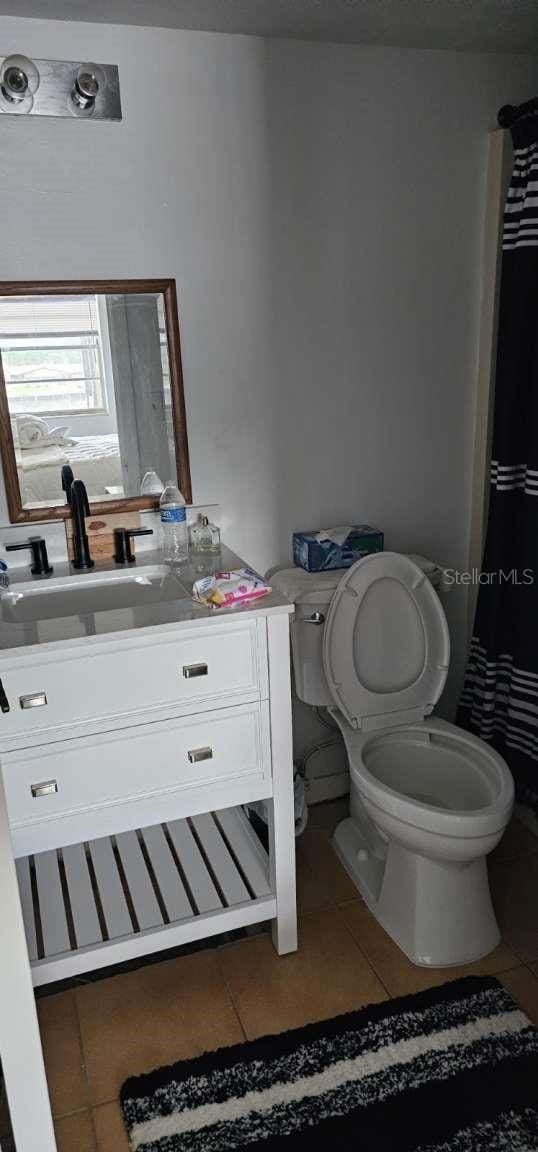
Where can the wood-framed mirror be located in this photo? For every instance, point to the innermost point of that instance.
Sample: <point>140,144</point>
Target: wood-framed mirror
<point>90,375</point>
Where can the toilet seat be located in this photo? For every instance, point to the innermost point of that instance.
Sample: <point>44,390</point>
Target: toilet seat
<point>434,776</point>
<point>386,646</point>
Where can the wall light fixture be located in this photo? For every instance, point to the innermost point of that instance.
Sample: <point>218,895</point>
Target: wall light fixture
<point>59,88</point>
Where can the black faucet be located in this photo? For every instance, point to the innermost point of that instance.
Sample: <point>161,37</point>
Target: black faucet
<point>80,507</point>
<point>122,543</point>
<point>38,548</point>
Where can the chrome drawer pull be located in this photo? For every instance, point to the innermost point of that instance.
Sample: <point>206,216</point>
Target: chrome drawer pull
<point>316,618</point>
<point>191,670</point>
<point>45,788</point>
<point>197,754</point>
<point>33,700</point>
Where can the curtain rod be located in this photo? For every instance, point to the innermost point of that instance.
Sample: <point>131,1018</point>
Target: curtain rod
<point>510,113</point>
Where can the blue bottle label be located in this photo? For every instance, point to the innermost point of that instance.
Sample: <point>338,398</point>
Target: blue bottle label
<point>173,515</point>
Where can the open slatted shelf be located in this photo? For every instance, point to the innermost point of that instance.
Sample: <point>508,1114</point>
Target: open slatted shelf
<point>99,903</point>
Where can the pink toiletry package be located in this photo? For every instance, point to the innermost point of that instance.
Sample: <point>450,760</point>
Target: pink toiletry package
<point>224,589</point>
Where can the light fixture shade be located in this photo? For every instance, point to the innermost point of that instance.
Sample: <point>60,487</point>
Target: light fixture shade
<point>90,82</point>
<point>19,81</point>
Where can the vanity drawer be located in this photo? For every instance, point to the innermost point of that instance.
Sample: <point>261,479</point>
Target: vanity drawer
<point>100,772</point>
<point>217,663</point>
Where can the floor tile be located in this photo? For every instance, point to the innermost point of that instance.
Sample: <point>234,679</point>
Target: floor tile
<point>139,1021</point>
<point>75,1133</point>
<point>327,975</point>
<point>109,1128</point>
<point>514,887</point>
<point>524,988</point>
<point>328,814</point>
<point>60,1037</point>
<point>397,973</point>
<point>312,890</point>
<point>517,841</point>
<point>321,879</point>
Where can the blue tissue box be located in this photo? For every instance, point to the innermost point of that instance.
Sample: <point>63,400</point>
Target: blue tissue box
<point>323,555</point>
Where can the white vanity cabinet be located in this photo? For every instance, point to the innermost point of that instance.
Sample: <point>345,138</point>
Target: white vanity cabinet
<point>126,761</point>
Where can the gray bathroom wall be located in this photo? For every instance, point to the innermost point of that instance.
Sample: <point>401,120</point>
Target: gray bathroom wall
<point>321,210</point>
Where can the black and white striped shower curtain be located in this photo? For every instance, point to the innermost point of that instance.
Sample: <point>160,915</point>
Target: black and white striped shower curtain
<point>500,696</point>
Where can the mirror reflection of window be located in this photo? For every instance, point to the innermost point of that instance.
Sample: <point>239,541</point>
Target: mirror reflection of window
<point>52,354</point>
<point>87,383</point>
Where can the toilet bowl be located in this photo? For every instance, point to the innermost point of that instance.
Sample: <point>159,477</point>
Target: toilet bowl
<point>429,801</point>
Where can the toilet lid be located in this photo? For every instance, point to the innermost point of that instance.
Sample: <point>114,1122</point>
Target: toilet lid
<point>386,647</point>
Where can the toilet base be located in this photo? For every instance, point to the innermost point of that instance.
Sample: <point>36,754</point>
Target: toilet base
<point>438,912</point>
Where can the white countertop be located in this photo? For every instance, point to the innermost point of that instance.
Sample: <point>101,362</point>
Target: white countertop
<point>98,624</point>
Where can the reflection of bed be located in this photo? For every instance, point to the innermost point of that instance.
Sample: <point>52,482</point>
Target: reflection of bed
<point>94,459</point>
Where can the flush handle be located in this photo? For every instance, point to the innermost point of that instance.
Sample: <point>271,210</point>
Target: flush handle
<point>33,700</point>
<point>192,670</point>
<point>316,618</point>
<point>197,754</point>
<point>44,788</point>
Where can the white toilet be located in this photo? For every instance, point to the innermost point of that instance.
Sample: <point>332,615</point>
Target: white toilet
<point>428,800</point>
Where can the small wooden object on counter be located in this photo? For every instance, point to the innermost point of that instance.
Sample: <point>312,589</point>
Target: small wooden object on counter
<point>100,530</point>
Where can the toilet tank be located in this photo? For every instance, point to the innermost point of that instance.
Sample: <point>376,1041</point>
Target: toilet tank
<point>312,592</point>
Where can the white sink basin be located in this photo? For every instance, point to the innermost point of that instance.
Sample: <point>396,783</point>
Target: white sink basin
<point>88,592</point>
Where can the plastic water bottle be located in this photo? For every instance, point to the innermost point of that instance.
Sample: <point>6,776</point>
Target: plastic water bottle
<point>151,484</point>
<point>175,537</point>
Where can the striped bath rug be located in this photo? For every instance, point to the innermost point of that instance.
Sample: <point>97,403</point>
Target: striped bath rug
<point>452,1069</point>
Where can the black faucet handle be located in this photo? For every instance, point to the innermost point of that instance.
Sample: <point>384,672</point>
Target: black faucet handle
<point>67,481</point>
<point>40,561</point>
<point>122,543</point>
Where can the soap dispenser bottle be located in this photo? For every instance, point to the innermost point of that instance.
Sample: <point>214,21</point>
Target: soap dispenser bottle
<point>205,537</point>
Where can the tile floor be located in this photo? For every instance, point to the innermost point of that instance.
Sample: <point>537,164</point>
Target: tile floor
<point>96,1035</point>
